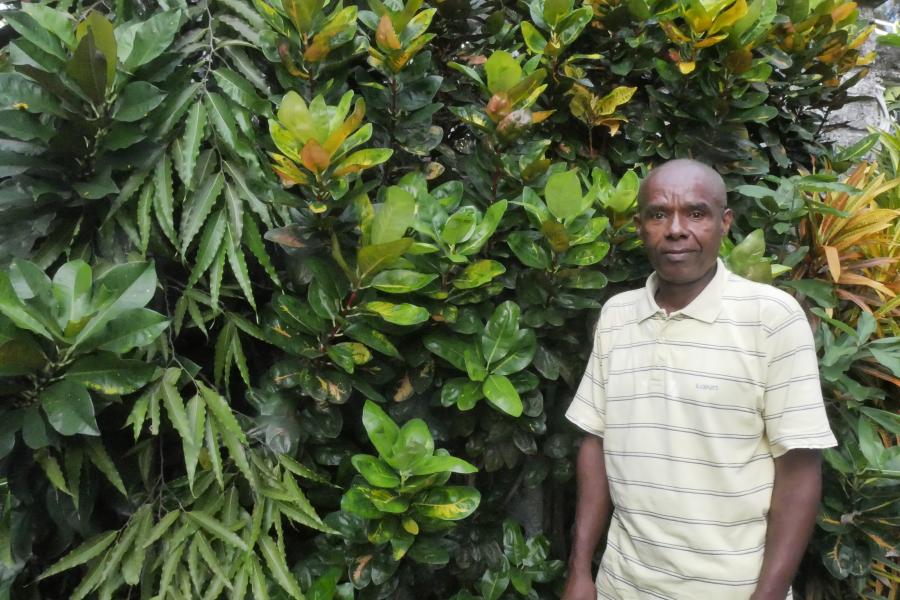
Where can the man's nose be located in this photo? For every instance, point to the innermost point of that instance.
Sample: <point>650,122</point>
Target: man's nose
<point>676,227</point>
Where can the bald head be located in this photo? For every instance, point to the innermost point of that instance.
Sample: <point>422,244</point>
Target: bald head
<point>684,172</point>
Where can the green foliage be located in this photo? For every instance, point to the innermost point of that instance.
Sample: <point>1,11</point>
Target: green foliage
<point>402,493</point>
<point>270,222</point>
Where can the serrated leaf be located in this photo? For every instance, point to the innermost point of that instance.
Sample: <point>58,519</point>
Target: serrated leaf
<point>241,91</point>
<point>215,528</point>
<point>199,207</point>
<point>278,567</point>
<point>196,417</point>
<point>163,200</point>
<point>175,405</point>
<point>239,266</point>
<point>209,557</point>
<point>254,240</point>
<point>161,528</point>
<point>211,241</point>
<point>222,412</point>
<point>52,470</point>
<point>97,454</point>
<point>194,127</point>
<point>84,553</point>
<point>212,450</point>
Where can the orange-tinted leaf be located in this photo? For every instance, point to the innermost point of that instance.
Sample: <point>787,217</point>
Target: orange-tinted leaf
<point>729,17</point>
<point>340,134</point>
<point>710,41</point>
<point>385,36</point>
<point>842,12</point>
<point>287,171</point>
<point>314,157</point>
<point>834,262</point>
<point>673,33</point>
<point>852,279</point>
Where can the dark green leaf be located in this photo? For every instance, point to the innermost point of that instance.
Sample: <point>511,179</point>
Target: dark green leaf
<point>108,374</point>
<point>69,408</point>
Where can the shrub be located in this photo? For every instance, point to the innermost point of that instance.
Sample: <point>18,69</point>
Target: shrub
<point>392,225</point>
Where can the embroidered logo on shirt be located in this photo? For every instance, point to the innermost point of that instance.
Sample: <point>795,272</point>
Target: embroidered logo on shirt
<point>709,387</point>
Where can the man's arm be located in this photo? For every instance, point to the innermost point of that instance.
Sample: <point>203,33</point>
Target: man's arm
<point>593,509</point>
<point>792,516</point>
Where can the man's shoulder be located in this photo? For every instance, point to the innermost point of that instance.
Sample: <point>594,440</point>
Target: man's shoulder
<point>623,302</point>
<point>768,302</point>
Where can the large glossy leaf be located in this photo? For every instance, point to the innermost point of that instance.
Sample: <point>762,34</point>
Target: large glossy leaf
<point>523,351</point>
<point>377,257</point>
<point>381,428</point>
<point>478,274</point>
<point>393,217</point>
<point>401,281</point>
<point>529,249</point>
<point>122,288</point>
<point>503,71</point>
<point>376,471</point>
<point>372,338</point>
<point>108,374</point>
<point>449,503</point>
<point>500,392</point>
<point>414,442</point>
<point>20,355</point>
<point>19,92</point>
<point>462,392</point>
<point>69,408</point>
<point>460,226</point>
<point>133,329</point>
<point>625,194</point>
<point>586,254</point>
<point>16,311</point>
<point>440,463</point>
<point>484,230</point>
<point>87,68</point>
<point>399,314</point>
<point>137,100</point>
<point>72,291</point>
<point>140,42</point>
<point>563,194</point>
<point>450,348</point>
<point>500,334</point>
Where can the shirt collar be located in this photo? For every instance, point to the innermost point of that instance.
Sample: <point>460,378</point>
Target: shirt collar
<point>705,307</point>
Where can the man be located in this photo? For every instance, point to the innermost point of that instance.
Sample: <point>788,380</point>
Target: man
<point>704,416</point>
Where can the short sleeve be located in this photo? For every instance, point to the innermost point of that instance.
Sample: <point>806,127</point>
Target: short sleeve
<point>588,407</point>
<point>793,410</point>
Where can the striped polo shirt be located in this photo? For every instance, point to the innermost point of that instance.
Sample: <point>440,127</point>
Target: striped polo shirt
<point>693,406</point>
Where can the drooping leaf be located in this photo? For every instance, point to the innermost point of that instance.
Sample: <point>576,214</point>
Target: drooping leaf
<point>69,408</point>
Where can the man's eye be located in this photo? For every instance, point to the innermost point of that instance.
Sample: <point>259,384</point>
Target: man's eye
<point>696,214</point>
<point>659,215</point>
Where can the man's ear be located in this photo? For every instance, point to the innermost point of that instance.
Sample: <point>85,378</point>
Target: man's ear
<point>637,222</point>
<point>727,218</point>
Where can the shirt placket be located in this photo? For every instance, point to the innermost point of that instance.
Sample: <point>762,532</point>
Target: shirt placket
<point>660,352</point>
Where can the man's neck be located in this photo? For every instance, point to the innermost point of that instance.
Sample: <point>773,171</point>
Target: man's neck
<point>675,296</point>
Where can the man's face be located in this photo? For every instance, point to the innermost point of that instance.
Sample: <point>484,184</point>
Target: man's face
<point>681,222</point>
